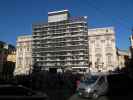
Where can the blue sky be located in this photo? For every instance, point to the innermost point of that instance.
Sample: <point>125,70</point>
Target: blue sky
<point>17,16</point>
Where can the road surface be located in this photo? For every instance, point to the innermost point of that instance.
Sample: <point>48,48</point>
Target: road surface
<point>113,97</point>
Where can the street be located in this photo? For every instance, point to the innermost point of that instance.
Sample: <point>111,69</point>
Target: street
<point>121,91</point>
<point>128,97</point>
<point>67,95</point>
<point>76,97</point>
<point>63,86</point>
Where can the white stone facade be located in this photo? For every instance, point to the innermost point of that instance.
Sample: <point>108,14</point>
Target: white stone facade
<point>23,55</point>
<point>131,47</point>
<point>131,40</point>
<point>102,49</point>
<point>122,57</point>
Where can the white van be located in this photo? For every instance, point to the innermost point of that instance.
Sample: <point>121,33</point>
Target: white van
<point>93,86</point>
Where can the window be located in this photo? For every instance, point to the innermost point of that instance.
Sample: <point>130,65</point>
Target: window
<point>97,44</point>
<point>19,61</point>
<point>97,50</point>
<point>102,41</point>
<point>98,58</point>
<point>28,49</point>
<point>90,58</point>
<point>90,50</point>
<point>108,43</point>
<point>92,41</point>
<point>20,49</point>
<point>27,61</point>
<point>109,58</point>
<point>90,80</point>
<point>101,81</point>
<point>81,63</point>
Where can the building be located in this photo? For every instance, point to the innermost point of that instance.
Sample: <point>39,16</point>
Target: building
<point>12,57</point>
<point>130,62</point>
<point>23,55</point>
<point>62,42</point>
<point>131,46</point>
<point>102,49</point>
<point>6,66</point>
<point>2,55</point>
<point>5,50</point>
<point>131,40</point>
<point>122,58</point>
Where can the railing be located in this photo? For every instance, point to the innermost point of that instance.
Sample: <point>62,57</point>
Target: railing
<point>56,60</point>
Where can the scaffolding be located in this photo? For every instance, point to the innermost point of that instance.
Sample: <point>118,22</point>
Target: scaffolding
<point>61,44</point>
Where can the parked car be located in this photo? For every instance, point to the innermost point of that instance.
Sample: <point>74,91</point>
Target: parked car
<point>93,86</point>
<point>19,92</point>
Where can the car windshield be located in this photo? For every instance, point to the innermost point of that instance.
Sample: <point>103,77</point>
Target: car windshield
<point>90,80</point>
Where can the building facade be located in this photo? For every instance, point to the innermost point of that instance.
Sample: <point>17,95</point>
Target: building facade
<point>130,63</point>
<point>12,57</point>
<point>102,49</point>
<point>5,50</point>
<point>6,66</point>
<point>122,58</point>
<point>2,55</point>
<point>23,55</point>
<point>62,42</point>
<point>131,46</point>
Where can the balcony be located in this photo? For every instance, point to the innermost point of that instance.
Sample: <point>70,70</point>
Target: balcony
<point>37,30</point>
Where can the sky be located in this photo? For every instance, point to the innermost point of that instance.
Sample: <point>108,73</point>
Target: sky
<point>17,16</point>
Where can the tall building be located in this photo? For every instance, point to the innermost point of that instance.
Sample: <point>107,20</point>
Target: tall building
<point>62,42</point>
<point>102,49</point>
<point>23,55</point>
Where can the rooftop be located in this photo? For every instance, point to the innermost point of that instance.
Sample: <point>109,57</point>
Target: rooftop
<point>56,12</point>
<point>101,31</point>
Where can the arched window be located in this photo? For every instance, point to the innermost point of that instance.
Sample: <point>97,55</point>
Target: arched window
<point>98,58</point>
<point>109,58</point>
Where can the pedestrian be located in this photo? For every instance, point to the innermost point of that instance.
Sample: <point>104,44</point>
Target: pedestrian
<point>77,83</point>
